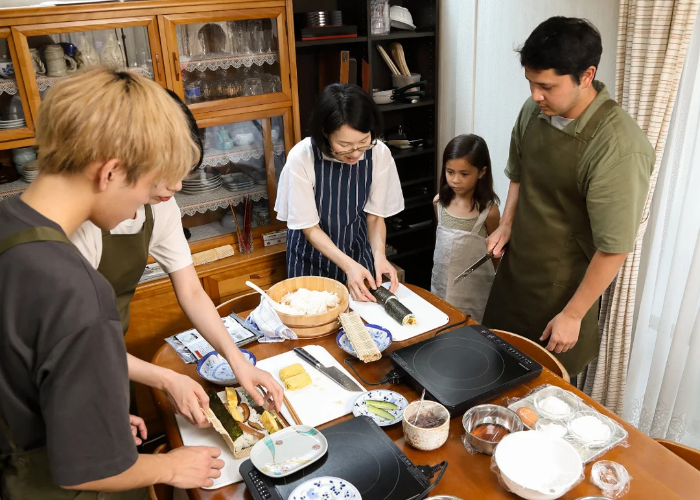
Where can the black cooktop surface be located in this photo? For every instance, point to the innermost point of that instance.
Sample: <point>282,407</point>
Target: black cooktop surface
<point>464,367</point>
<point>360,452</point>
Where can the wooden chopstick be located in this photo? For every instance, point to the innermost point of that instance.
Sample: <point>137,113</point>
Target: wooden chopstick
<point>235,219</point>
<point>266,407</point>
<point>295,417</point>
<point>388,60</point>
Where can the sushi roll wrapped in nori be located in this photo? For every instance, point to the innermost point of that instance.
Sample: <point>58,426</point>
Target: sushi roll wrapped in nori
<point>395,309</point>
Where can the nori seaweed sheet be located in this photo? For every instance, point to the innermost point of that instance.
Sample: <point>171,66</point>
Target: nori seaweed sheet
<point>393,307</point>
<point>234,430</point>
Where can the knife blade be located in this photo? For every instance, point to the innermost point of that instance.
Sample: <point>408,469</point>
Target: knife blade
<point>331,372</point>
<point>472,268</point>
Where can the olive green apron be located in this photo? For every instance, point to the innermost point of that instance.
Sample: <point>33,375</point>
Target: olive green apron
<point>551,243</point>
<point>124,258</point>
<point>26,474</point>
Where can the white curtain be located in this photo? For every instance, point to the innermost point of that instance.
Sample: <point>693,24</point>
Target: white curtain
<point>663,394</point>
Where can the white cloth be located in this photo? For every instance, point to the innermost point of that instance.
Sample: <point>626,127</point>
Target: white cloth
<point>265,319</point>
<point>296,203</point>
<point>168,245</point>
<point>664,368</point>
<point>560,122</point>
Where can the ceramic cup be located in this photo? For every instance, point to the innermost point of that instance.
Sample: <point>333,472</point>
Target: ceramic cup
<point>426,439</point>
<point>57,62</point>
<point>7,70</point>
<point>69,49</point>
<point>37,63</point>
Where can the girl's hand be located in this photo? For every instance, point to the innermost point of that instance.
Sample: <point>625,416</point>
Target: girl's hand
<point>138,427</point>
<point>249,377</point>
<point>383,266</point>
<point>357,274</point>
<point>187,398</point>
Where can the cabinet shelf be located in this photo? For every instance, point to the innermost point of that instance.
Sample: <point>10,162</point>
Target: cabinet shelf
<point>191,204</point>
<point>399,154</point>
<point>409,230</point>
<point>228,61</point>
<point>420,180</point>
<point>402,35</point>
<point>216,158</point>
<point>329,41</point>
<point>8,87</point>
<point>45,82</point>
<point>409,253</point>
<point>396,106</point>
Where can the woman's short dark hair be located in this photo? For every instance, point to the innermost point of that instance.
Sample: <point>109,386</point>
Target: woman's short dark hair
<point>567,45</point>
<point>192,122</point>
<point>472,148</point>
<point>342,104</point>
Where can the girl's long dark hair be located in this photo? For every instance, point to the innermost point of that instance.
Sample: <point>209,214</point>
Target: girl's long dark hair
<point>472,148</point>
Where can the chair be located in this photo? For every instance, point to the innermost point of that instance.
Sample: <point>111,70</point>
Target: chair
<point>160,491</point>
<point>690,455</point>
<point>536,352</point>
<point>240,304</point>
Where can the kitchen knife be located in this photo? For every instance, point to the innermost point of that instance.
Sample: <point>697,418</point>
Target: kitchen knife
<point>471,268</point>
<point>329,371</point>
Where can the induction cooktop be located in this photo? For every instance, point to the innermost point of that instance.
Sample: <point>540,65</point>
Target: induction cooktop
<point>465,367</point>
<point>360,452</point>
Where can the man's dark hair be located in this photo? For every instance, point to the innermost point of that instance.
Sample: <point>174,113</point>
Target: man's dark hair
<point>342,104</point>
<point>567,45</point>
<point>192,122</point>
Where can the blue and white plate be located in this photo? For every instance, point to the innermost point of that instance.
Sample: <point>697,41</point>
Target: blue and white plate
<point>380,335</point>
<point>288,450</point>
<point>214,368</point>
<point>325,488</point>
<point>360,406</point>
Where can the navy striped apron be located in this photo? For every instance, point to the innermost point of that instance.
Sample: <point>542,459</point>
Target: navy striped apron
<point>341,192</point>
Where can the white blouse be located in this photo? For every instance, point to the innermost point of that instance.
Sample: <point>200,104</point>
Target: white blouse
<point>296,201</point>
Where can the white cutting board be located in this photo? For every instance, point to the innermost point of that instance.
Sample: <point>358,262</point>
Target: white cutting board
<point>428,316</point>
<point>194,436</point>
<point>323,400</point>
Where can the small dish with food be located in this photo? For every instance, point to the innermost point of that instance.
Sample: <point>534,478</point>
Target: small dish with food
<point>382,406</point>
<point>555,403</point>
<point>590,428</point>
<point>426,425</point>
<point>486,425</point>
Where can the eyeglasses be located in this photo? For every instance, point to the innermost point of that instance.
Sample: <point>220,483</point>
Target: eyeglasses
<point>359,150</point>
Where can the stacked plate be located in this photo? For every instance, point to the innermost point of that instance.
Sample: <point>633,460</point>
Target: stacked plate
<point>9,124</point>
<point>202,180</point>
<point>30,171</point>
<point>336,18</point>
<point>261,214</point>
<point>238,181</point>
<point>318,18</point>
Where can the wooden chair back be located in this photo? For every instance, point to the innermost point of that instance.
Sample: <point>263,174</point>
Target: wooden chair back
<point>690,455</point>
<point>240,304</point>
<point>536,352</point>
<point>160,491</point>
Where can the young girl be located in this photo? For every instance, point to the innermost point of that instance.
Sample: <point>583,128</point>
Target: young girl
<point>467,212</point>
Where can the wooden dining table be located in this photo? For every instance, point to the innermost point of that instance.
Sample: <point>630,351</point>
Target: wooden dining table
<point>656,472</point>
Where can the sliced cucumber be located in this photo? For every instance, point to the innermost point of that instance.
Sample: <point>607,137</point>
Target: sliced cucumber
<point>385,405</point>
<point>380,413</point>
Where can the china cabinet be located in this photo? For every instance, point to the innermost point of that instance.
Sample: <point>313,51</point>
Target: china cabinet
<point>232,62</point>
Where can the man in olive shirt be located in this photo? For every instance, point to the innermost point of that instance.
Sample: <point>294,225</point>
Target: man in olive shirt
<point>65,428</point>
<point>579,168</point>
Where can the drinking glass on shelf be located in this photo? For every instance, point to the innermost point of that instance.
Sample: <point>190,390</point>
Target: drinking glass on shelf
<point>268,41</point>
<point>252,86</point>
<point>208,90</point>
<point>271,83</point>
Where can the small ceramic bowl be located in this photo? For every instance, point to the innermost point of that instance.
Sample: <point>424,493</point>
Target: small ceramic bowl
<point>215,369</point>
<point>426,439</point>
<point>583,439</point>
<point>382,97</point>
<point>381,337</point>
<point>488,414</point>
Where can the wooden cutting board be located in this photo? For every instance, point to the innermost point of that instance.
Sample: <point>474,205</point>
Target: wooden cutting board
<point>323,400</point>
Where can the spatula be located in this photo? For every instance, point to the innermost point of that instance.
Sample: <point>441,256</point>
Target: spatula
<point>275,305</point>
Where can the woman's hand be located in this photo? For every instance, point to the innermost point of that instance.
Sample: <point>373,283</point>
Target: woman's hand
<point>249,377</point>
<point>357,274</point>
<point>187,398</point>
<point>383,266</point>
<point>138,426</point>
<point>498,239</point>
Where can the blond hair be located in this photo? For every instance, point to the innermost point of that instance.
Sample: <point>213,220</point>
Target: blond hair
<point>102,114</point>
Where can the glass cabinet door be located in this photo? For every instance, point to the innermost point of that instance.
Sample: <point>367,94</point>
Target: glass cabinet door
<point>15,117</point>
<point>230,59</point>
<point>242,161</point>
<point>50,55</point>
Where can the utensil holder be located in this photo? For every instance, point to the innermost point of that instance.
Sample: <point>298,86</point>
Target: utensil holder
<point>398,81</point>
<point>245,243</point>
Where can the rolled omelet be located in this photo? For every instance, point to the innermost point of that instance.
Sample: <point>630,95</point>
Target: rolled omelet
<point>291,371</point>
<point>297,381</point>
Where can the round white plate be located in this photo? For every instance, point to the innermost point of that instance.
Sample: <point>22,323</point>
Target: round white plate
<point>360,408</point>
<point>325,488</point>
<point>288,450</point>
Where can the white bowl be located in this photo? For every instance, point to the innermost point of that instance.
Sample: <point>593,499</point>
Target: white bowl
<point>214,368</point>
<point>537,466</point>
<point>382,97</point>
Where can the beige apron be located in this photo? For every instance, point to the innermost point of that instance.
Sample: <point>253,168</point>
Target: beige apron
<point>551,243</point>
<point>26,474</point>
<point>455,251</point>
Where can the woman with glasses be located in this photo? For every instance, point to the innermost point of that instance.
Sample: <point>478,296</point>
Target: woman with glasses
<point>335,191</point>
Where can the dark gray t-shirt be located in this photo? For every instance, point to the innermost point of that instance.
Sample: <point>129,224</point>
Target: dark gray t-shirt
<point>63,368</point>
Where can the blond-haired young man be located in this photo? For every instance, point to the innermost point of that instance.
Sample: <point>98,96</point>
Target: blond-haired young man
<point>105,138</point>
